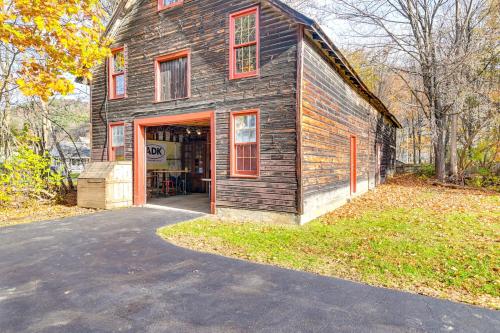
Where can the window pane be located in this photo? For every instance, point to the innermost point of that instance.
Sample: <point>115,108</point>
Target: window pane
<point>118,62</point>
<point>246,158</point>
<point>240,163</point>
<point>245,135</point>
<point>245,128</point>
<point>173,79</point>
<point>239,151</point>
<point>253,163</point>
<point>246,59</point>
<point>119,153</point>
<point>244,29</point>
<point>118,136</point>
<point>169,2</point>
<point>119,85</point>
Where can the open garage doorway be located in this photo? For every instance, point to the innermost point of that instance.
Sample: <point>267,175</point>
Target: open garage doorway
<point>174,162</point>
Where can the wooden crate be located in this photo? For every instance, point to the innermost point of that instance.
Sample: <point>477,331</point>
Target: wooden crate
<point>106,185</point>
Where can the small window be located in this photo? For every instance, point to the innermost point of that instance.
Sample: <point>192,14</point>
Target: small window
<point>117,142</point>
<point>117,85</point>
<point>166,4</point>
<point>244,44</point>
<point>172,77</point>
<point>245,143</point>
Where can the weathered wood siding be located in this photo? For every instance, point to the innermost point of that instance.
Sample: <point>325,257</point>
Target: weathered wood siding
<point>331,112</point>
<point>203,27</point>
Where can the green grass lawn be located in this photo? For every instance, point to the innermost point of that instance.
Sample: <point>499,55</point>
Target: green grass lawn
<point>406,235</point>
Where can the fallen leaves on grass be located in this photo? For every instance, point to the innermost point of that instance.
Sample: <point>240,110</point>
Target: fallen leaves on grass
<point>409,192</point>
<point>36,212</point>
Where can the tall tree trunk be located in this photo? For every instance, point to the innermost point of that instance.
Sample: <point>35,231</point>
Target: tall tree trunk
<point>46,126</point>
<point>453,146</point>
<point>6,134</point>
<point>431,153</point>
<point>440,150</point>
<point>454,116</point>
<point>414,141</point>
<point>419,140</point>
<point>64,161</point>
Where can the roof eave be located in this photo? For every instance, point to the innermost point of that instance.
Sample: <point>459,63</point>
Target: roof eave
<point>114,17</point>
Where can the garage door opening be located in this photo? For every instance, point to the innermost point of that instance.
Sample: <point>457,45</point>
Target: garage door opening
<point>175,164</point>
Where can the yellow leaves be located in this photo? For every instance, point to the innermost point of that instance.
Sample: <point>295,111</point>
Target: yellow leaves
<point>55,38</point>
<point>39,22</point>
<point>363,67</point>
<point>43,81</point>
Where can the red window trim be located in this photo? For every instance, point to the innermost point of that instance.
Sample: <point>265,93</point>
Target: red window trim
<point>232,47</point>
<point>161,7</point>
<point>168,57</point>
<point>111,154</point>
<point>111,74</point>
<point>232,150</point>
<point>353,162</point>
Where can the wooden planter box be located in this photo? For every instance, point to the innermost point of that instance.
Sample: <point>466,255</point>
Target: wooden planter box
<point>106,185</point>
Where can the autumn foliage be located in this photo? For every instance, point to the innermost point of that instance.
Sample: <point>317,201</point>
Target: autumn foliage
<point>56,39</point>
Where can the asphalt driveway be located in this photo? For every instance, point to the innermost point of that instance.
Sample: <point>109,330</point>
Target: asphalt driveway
<point>109,272</point>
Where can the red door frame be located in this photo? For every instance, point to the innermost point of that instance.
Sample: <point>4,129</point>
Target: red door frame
<point>140,156</point>
<point>354,156</point>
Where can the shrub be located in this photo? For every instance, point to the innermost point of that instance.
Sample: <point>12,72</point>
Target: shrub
<point>426,171</point>
<point>489,181</point>
<point>26,175</point>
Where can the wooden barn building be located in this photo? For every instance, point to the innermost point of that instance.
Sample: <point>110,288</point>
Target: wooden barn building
<point>241,108</point>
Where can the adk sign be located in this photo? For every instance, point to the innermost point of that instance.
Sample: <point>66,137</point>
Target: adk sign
<point>163,155</point>
<point>156,153</point>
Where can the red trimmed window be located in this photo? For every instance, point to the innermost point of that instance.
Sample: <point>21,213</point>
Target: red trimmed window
<point>244,43</point>
<point>117,79</point>
<point>245,143</point>
<point>117,142</point>
<point>173,76</point>
<point>166,4</point>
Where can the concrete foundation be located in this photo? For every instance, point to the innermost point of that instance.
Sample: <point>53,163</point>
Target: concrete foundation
<point>243,215</point>
<point>319,204</point>
<point>315,205</point>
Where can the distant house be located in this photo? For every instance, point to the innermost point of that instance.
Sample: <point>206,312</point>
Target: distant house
<point>77,155</point>
<point>246,99</point>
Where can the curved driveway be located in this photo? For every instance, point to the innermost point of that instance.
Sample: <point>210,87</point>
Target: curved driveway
<point>109,272</point>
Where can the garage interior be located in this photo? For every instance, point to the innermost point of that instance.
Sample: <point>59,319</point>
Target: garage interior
<point>178,165</point>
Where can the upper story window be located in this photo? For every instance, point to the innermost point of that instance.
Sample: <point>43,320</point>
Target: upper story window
<point>117,79</point>
<point>173,76</point>
<point>244,43</point>
<point>245,156</point>
<point>166,4</point>
<point>117,142</point>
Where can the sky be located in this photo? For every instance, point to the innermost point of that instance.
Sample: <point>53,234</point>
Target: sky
<point>338,30</point>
